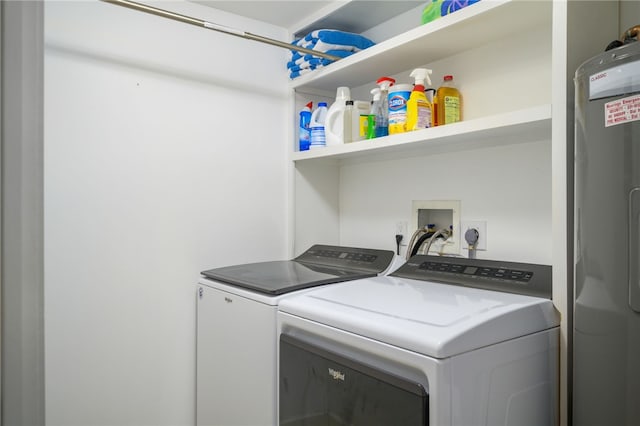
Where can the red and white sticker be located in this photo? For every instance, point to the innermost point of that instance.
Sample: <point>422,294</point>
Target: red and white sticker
<point>622,111</point>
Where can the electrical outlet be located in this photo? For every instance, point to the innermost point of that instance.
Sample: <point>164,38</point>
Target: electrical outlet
<point>401,229</point>
<point>481,227</point>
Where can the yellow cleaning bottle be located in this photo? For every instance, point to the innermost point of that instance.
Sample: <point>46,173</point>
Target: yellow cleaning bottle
<point>419,109</point>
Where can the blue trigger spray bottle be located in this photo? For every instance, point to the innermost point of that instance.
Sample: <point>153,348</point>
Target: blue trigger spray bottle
<point>382,117</point>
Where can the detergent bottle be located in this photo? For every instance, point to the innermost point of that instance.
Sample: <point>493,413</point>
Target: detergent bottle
<point>382,117</point>
<point>352,126</point>
<point>334,125</point>
<point>419,109</point>
<point>449,102</point>
<point>318,138</point>
<point>304,130</point>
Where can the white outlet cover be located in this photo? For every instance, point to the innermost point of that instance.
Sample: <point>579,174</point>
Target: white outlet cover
<point>402,229</point>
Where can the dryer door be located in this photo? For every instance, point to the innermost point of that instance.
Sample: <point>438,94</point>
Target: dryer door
<point>319,387</point>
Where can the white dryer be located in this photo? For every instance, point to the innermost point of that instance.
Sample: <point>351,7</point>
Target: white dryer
<point>236,382</point>
<point>441,341</point>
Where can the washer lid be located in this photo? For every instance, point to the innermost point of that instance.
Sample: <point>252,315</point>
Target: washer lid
<point>282,276</point>
<point>433,319</point>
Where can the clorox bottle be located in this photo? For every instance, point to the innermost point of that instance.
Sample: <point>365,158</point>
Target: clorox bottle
<point>317,137</point>
<point>419,109</point>
<point>398,99</point>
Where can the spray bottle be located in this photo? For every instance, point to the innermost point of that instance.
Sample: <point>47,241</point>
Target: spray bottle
<point>382,118</point>
<point>419,109</point>
<point>304,130</point>
<point>371,118</point>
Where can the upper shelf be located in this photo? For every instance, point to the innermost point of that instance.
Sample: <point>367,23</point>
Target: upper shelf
<point>466,29</point>
<point>522,126</point>
<point>348,15</point>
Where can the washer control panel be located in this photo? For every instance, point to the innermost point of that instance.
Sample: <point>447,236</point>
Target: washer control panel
<point>349,257</point>
<point>344,255</point>
<point>511,277</point>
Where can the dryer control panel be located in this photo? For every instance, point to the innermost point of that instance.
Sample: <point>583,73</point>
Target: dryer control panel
<point>511,277</point>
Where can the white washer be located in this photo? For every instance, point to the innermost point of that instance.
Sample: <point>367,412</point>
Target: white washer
<point>236,382</point>
<point>441,341</point>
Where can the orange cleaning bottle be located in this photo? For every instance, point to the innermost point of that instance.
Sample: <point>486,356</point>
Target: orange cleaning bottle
<point>448,103</point>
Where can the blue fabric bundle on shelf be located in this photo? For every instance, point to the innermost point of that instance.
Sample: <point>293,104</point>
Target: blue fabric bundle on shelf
<point>333,42</point>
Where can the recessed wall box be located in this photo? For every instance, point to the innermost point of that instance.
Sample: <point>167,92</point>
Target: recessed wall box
<point>441,213</point>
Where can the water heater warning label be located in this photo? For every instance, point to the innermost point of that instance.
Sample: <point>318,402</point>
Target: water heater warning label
<point>622,111</point>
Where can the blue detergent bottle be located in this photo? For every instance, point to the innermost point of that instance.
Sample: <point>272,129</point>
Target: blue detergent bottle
<point>304,130</point>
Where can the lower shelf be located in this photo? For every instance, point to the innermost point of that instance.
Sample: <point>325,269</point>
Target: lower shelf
<point>522,126</point>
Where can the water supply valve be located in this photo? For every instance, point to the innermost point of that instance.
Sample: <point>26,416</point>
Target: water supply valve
<point>471,236</point>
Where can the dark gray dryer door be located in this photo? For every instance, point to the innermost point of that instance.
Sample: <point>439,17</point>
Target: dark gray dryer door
<point>320,387</point>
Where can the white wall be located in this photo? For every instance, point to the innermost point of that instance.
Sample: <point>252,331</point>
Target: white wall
<point>510,192</point>
<point>629,15</point>
<point>165,154</point>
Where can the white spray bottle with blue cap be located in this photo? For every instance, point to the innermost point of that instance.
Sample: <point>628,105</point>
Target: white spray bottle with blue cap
<point>373,113</point>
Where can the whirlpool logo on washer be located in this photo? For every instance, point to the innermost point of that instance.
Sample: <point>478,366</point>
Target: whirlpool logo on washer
<point>336,375</point>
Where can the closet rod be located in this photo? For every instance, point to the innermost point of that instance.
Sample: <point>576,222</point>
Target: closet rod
<point>216,27</point>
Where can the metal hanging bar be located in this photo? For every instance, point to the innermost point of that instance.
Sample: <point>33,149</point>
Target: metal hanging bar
<point>215,27</point>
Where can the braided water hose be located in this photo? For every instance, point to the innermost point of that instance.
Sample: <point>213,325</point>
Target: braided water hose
<point>631,34</point>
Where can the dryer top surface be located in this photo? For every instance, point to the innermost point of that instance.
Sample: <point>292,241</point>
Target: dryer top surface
<point>434,319</point>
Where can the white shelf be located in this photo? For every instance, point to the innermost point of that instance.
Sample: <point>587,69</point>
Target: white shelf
<point>347,15</point>
<point>481,23</point>
<point>522,126</point>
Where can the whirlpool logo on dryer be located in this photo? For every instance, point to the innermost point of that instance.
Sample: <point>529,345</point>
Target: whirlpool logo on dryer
<point>336,375</point>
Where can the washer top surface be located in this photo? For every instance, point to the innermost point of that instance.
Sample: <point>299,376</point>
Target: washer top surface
<point>282,276</point>
<point>317,266</point>
<point>434,319</point>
